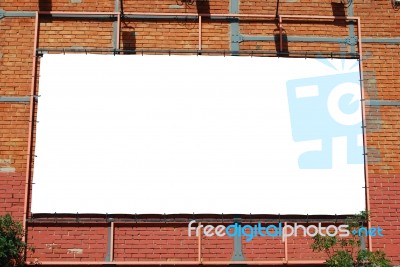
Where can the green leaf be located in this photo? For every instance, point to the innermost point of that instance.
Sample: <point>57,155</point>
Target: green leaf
<point>340,259</point>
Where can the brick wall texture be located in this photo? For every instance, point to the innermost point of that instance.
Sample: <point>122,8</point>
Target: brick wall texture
<point>81,242</point>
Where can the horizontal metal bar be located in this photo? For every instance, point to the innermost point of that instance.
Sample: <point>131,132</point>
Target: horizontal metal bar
<point>381,40</point>
<point>166,15</point>
<point>382,103</point>
<point>79,16</point>
<point>368,102</point>
<point>319,39</point>
<point>172,17</point>
<point>16,14</point>
<point>144,17</point>
<point>59,222</point>
<point>83,13</point>
<point>47,218</point>
<point>294,38</point>
<point>6,99</point>
<point>310,54</point>
<point>191,263</point>
<point>14,99</point>
<point>104,15</point>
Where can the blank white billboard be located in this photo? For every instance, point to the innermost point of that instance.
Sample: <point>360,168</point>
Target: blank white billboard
<point>198,134</point>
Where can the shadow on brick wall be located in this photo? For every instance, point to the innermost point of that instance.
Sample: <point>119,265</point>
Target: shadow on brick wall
<point>285,43</point>
<point>45,5</point>
<point>128,35</point>
<point>129,41</point>
<point>339,10</point>
<point>203,6</point>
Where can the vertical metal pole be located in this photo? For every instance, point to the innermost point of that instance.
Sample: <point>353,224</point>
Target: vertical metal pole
<point>116,26</point>
<point>362,239</point>
<point>200,258</point>
<point>237,244</point>
<point>364,117</point>
<point>110,242</point>
<point>350,13</point>
<point>200,33</point>
<point>31,124</point>
<point>234,27</point>
<point>280,34</point>
<point>118,30</point>
<point>286,246</point>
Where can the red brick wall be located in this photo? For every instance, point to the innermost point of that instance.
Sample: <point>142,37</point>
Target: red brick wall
<point>82,242</point>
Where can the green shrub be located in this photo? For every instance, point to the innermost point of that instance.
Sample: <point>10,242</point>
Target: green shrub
<point>347,251</point>
<point>12,247</point>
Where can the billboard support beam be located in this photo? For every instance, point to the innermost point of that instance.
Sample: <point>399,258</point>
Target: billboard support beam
<point>176,263</point>
<point>364,130</point>
<point>17,99</point>
<point>110,241</point>
<point>237,244</point>
<point>29,155</point>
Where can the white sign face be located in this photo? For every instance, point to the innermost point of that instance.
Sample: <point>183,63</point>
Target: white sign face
<point>198,134</point>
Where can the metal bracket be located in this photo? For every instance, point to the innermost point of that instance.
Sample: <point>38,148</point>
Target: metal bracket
<point>352,40</point>
<point>20,99</point>
<point>237,38</point>
<point>16,14</point>
<point>234,27</point>
<point>362,239</point>
<point>378,103</point>
<point>109,240</point>
<point>237,245</point>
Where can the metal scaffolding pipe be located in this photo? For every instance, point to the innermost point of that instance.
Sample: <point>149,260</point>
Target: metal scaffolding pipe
<point>223,15</point>
<point>226,221</point>
<point>316,54</point>
<point>271,38</point>
<point>200,257</point>
<point>116,25</point>
<point>280,34</point>
<point>286,258</point>
<point>78,13</point>
<point>14,99</point>
<point>191,263</point>
<point>364,119</point>
<point>118,37</point>
<point>200,33</point>
<point>31,124</point>
<point>320,17</point>
<point>112,241</point>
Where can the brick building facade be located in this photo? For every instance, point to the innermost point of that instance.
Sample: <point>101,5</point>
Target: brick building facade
<point>131,26</point>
